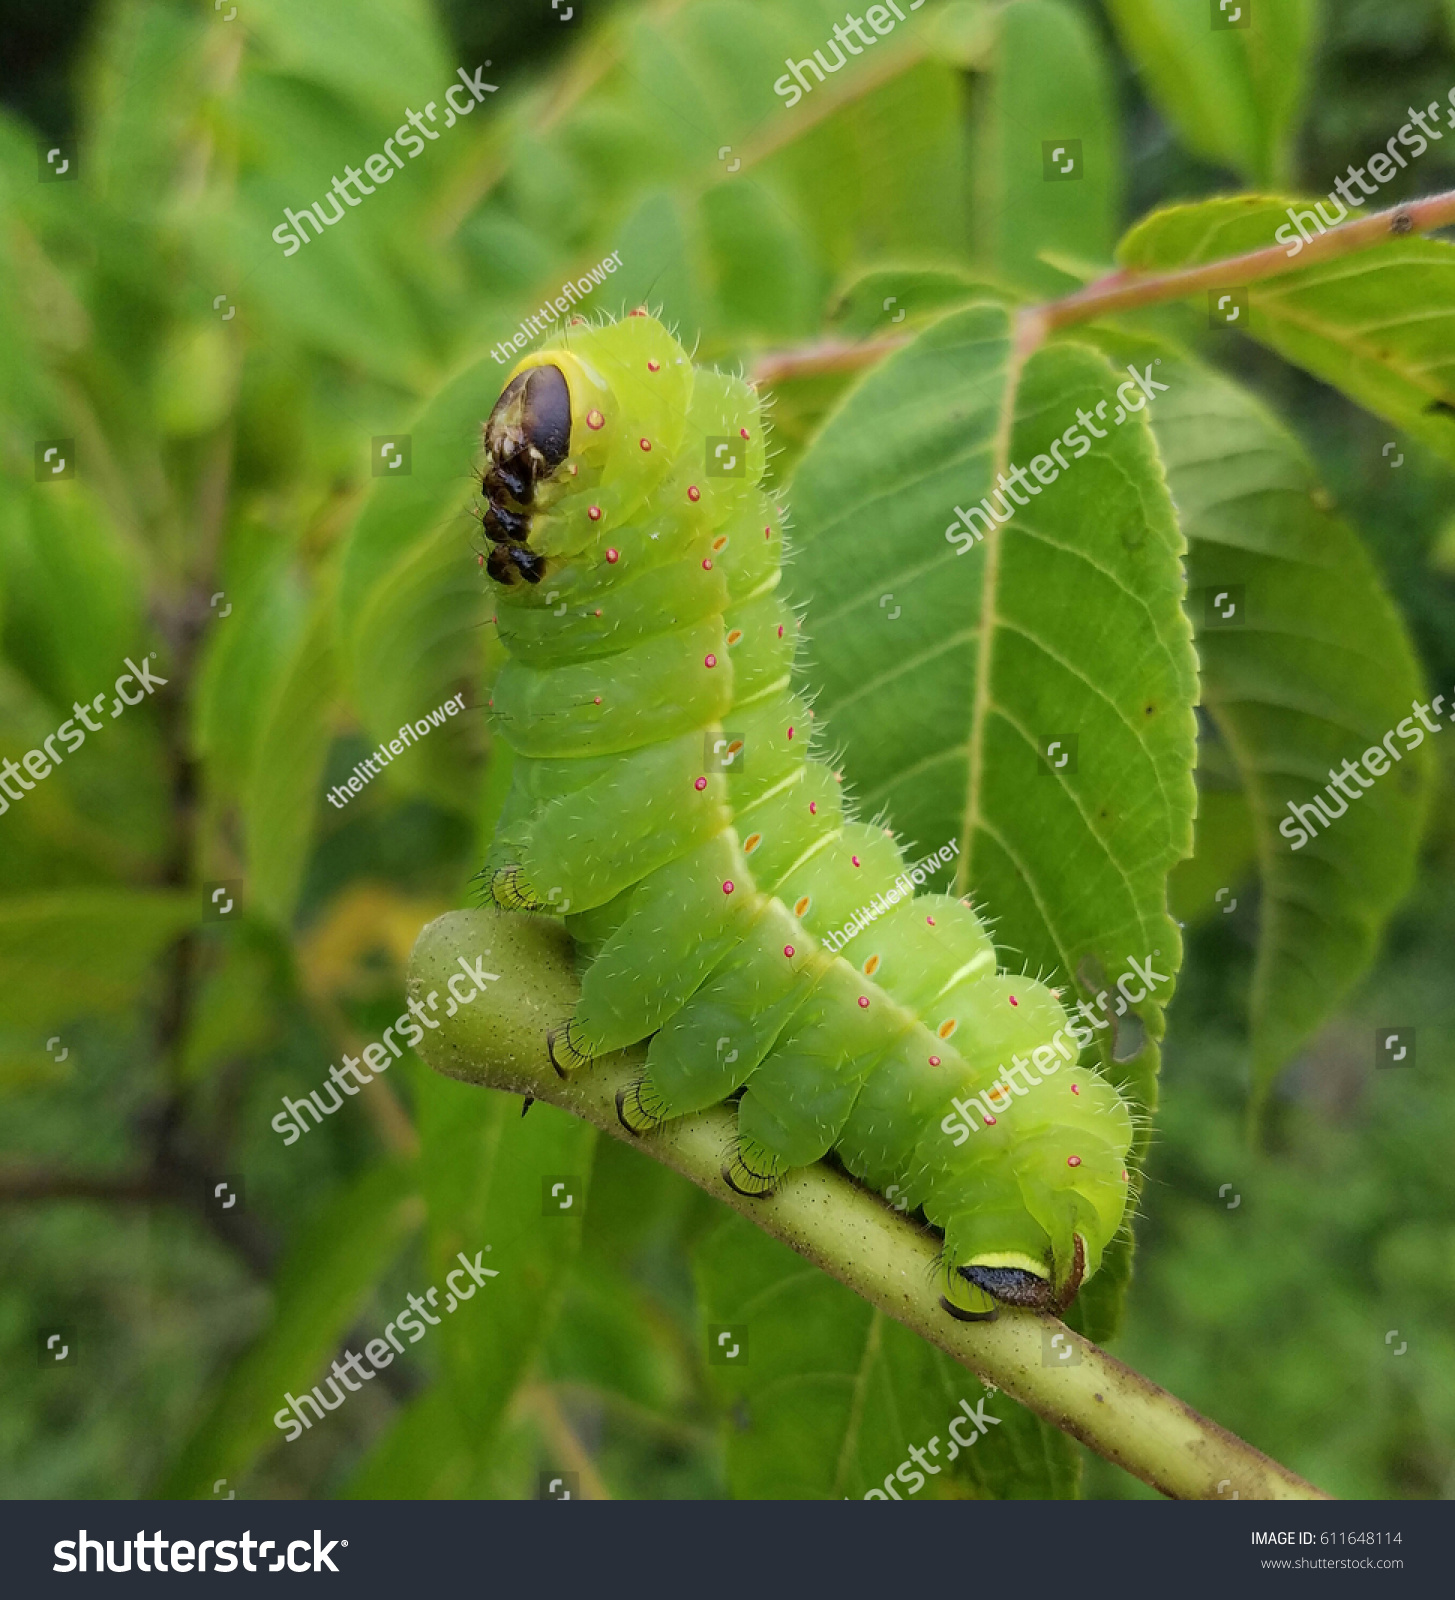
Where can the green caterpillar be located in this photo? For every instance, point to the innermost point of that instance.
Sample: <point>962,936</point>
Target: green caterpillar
<point>637,576</point>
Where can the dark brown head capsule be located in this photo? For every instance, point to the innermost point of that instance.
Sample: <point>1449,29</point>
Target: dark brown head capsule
<point>527,437</point>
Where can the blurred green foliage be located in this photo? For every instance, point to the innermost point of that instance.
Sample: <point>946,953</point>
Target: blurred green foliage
<point>221,400</point>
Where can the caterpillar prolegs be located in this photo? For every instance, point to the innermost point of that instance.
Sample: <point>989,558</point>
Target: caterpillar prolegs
<point>637,564</point>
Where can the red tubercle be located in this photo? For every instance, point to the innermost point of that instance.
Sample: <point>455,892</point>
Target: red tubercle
<point>594,512</point>
<point>790,733</point>
<point>595,420</point>
<point>855,860</point>
<point>864,1001</point>
<point>931,921</point>
<point>1124,1174</point>
<point>709,660</point>
<point>699,783</point>
<point>989,1122</point>
<point>640,311</point>
<point>694,493</point>
<point>646,444</point>
<point>767,533</point>
<point>780,635</point>
<point>597,700</point>
<point>1073,1161</point>
<point>598,612</point>
<point>480,560</point>
<point>654,366</point>
<point>1014,1001</point>
<point>706,564</point>
<point>1075,1088</point>
<point>727,887</point>
<point>613,556</point>
<point>934,1061</point>
<point>813,808</point>
<point>742,433</point>
<point>788,951</point>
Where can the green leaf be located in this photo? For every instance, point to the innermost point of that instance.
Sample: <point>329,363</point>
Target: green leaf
<point>1224,861</point>
<point>1234,94</point>
<point>412,609</point>
<point>285,787</point>
<point>425,1454</point>
<point>383,53</point>
<point>246,655</point>
<point>1068,622</point>
<point>1320,671</point>
<point>487,1172</point>
<point>145,79</point>
<point>889,301</point>
<point>83,951</point>
<point>73,591</point>
<point>1051,87</point>
<point>488,1175</point>
<point>827,1395</point>
<point>1065,624</point>
<point>332,1266</point>
<point>1378,325</point>
<point>417,642</point>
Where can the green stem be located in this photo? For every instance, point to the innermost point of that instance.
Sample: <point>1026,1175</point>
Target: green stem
<point>498,1042</point>
<point>1129,290</point>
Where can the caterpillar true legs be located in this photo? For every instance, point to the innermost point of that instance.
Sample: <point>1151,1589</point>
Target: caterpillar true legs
<point>665,801</point>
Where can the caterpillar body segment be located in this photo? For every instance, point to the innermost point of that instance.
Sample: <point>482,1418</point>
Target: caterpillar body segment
<point>665,801</point>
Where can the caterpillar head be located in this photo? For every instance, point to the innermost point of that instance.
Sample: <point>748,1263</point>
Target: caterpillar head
<point>583,432</point>
<point>527,437</point>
